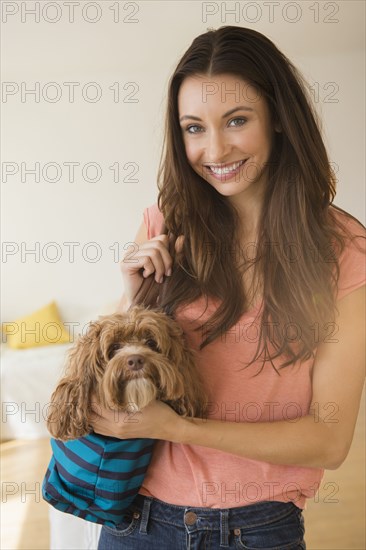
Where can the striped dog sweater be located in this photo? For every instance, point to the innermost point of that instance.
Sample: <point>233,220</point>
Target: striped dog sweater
<point>96,477</point>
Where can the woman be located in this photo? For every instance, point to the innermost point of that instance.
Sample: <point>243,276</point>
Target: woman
<point>269,287</point>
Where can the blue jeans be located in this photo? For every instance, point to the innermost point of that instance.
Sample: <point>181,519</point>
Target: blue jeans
<point>151,524</point>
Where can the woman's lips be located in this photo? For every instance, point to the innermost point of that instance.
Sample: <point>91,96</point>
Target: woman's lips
<point>226,175</point>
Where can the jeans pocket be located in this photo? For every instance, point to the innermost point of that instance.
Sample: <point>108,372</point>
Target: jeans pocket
<point>126,527</point>
<point>286,533</point>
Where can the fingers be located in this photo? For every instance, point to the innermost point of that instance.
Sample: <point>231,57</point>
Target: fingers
<point>100,414</point>
<point>152,256</point>
<point>114,422</point>
<point>156,258</point>
<point>102,420</point>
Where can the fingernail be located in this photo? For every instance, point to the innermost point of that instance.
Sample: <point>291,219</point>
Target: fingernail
<point>169,272</point>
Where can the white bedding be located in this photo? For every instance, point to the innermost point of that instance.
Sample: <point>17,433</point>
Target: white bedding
<point>28,378</point>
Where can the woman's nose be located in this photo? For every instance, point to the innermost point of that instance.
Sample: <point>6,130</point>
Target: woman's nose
<point>216,147</point>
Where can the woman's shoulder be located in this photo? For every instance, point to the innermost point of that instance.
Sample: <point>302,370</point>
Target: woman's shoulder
<point>154,220</point>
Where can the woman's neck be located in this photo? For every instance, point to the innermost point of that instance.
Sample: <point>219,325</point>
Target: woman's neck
<point>249,209</point>
<point>248,227</point>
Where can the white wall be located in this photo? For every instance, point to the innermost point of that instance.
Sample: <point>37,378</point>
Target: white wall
<point>143,52</point>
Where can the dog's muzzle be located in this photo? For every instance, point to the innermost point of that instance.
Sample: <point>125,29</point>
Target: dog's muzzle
<point>135,362</point>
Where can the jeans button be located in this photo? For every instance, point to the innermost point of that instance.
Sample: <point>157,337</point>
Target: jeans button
<point>237,532</point>
<point>190,518</point>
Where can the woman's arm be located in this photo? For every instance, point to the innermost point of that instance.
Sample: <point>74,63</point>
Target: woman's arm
<point>321,439</point>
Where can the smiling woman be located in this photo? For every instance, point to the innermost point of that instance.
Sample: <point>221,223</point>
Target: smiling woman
<point>279,339</point>
<point>235,150</point>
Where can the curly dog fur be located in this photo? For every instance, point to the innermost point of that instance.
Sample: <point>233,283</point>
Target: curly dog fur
<point>125,361</point>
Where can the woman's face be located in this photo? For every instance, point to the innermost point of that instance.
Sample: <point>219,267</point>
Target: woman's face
<point>227,133</point>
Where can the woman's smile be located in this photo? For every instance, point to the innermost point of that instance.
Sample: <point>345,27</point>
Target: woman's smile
<point>226,171</point>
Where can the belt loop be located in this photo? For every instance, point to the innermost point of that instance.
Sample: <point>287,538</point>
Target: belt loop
<point>145,515</point>
<point>224,528</point>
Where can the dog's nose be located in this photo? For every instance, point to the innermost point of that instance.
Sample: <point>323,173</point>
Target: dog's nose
<point>135,362</point>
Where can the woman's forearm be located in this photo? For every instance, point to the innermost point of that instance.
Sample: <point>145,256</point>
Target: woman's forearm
<point>309,441</point>
<point>305,442</point>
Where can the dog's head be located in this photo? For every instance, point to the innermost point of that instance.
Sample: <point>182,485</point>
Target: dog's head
<point>126,360</point>
<point>142,354</point>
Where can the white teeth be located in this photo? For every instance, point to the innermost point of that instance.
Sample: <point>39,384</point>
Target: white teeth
<point>227,169</point>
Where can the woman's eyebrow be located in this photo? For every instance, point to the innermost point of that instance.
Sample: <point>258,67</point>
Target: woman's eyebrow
<point>241,108</point>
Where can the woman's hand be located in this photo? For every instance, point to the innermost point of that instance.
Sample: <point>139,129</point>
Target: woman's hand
<point>156,421</point>
<point>151,256</point>
<point>147,258</point>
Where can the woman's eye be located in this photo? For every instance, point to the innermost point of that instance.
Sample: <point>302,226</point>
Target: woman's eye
<point>152,344</point>
<point>240,119</point>
<point>188,129</point>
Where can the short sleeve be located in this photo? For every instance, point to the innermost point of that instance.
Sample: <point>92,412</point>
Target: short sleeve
<point>352,261</point>
<point>154,221</point>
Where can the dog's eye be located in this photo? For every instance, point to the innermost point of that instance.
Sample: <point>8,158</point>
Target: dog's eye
<point>152,344</point>
<point>113,350</point>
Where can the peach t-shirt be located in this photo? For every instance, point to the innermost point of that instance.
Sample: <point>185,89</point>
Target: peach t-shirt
<point>191,475</point>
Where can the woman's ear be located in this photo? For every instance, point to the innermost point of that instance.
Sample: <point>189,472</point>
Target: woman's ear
<point>275,121</point>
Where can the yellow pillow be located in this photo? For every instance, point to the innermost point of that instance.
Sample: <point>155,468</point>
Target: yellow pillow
<point>41,328</point>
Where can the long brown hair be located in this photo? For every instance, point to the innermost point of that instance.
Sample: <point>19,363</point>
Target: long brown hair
<point>296,208</point>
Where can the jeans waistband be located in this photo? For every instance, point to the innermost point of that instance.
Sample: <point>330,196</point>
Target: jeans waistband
<point>222,519</point>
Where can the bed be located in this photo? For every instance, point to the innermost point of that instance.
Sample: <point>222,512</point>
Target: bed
<point>28,378</point>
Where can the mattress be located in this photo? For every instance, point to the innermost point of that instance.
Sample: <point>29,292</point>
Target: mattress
<point>28,378</point>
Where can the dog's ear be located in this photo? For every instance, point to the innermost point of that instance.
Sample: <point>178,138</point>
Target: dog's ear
<point>169,332</point>
<point>173,327</point>
<point>67,416</point>
<point>70,407</point>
